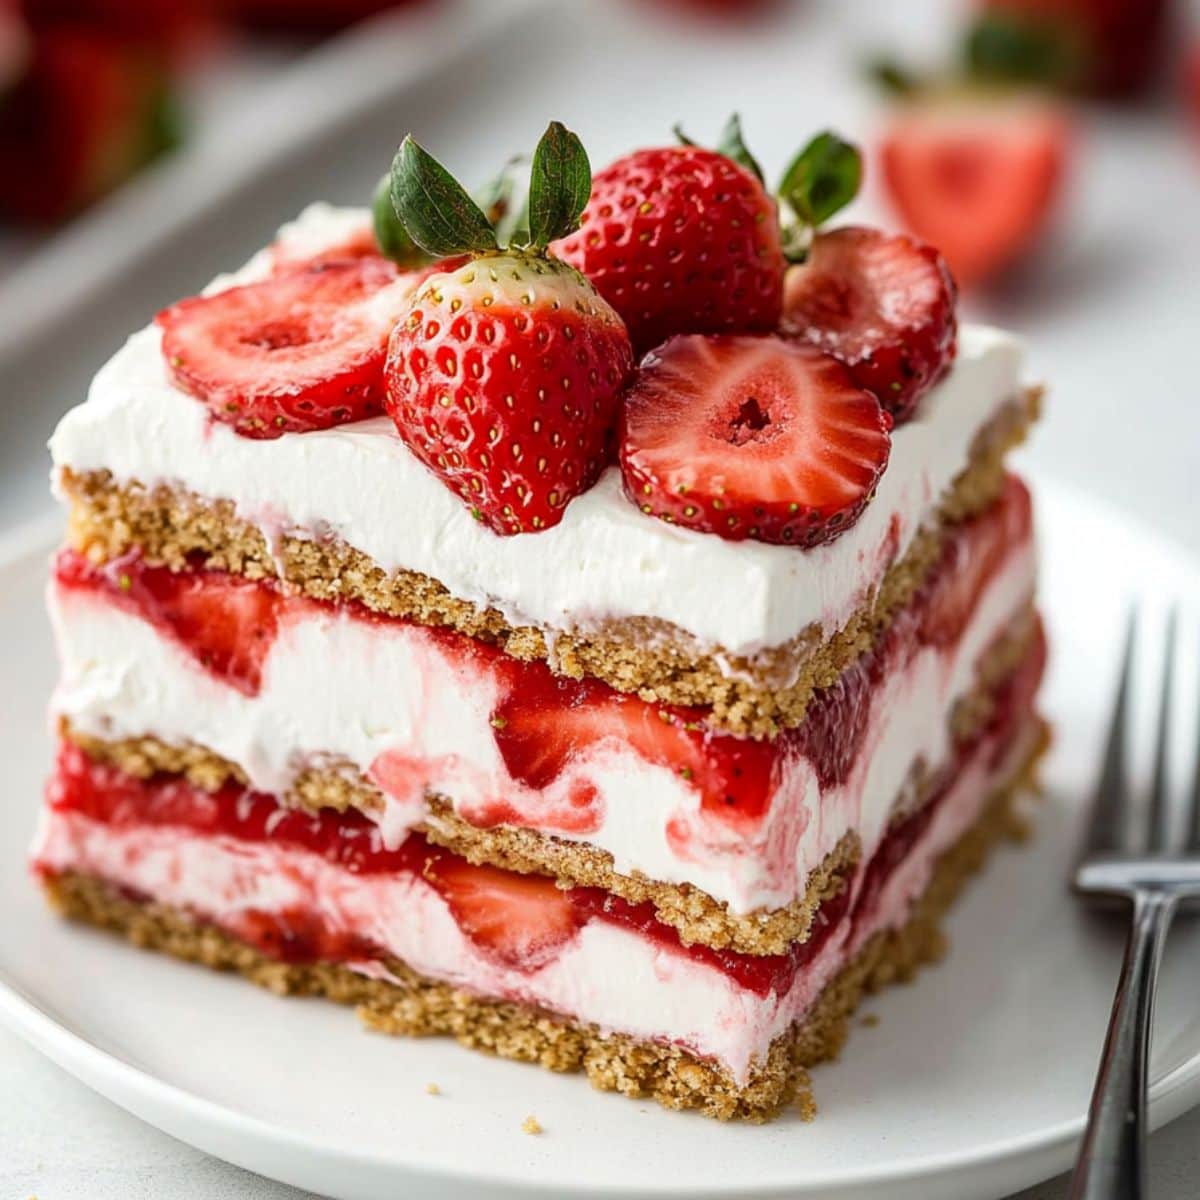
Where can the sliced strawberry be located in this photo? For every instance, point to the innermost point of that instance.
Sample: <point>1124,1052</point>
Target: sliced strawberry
<point>745,437</point>
<point>546,722</point>
<point>974,553</point>
<point>300,351</point>
<point>883,305</point>
<point>522,921</point>
<point>226,622</point>
<point>977,178</point>
<point>287,254</point>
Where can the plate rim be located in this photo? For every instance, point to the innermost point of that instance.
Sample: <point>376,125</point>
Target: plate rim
<point>148,1096</point>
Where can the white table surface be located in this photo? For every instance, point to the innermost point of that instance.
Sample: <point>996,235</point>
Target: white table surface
<point>1111,310</point>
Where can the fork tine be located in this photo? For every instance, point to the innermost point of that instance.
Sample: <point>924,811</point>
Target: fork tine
<point>1159,825</point>
<point>1106,832</point>
<point>1193,814</point>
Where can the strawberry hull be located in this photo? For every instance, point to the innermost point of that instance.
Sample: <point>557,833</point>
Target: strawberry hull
<point>276,686</point>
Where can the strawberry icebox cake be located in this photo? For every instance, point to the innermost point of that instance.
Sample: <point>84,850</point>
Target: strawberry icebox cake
<point>599,628</point>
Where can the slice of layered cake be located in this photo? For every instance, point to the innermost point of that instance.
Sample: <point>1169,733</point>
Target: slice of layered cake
<point>617,668</point>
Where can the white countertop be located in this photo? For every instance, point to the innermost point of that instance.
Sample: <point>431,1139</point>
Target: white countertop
<point>1112,313</point>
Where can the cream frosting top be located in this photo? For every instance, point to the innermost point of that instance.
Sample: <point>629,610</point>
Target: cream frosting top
<point>604,560</point>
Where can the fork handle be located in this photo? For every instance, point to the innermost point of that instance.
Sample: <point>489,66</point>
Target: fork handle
<point>1111,1163</point>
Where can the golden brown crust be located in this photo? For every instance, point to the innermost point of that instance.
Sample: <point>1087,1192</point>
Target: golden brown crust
<point>749,696</point>
<point>695,914</point>
<point>416,1006</point>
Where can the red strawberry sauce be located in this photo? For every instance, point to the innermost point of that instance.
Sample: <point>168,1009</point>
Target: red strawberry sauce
<point>542,721</point>
<point>350,840</point>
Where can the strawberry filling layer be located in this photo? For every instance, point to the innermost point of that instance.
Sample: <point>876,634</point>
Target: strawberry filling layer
<point>305,887</point>
<point>348,840</point>
<point>202,656</point>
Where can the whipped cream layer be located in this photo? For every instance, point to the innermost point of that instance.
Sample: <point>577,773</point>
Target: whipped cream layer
<point>606,560</point>
<point>609,975</point>
<point>414,711</point>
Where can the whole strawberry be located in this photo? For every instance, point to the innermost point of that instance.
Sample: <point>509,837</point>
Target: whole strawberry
<point>682,239</point>
<point>504,376</point>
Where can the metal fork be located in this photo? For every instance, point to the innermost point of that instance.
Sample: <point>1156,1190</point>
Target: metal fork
<point>1155,872</point>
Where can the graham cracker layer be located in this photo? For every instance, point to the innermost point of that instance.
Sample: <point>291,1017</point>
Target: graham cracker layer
<point>676,1078</point>
<point>699,917</point>
<point>751,696</point>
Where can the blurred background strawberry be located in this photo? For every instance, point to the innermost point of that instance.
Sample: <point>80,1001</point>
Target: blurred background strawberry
<point>84,112</point>
<point>1117,46</point>
<point>977,174</point>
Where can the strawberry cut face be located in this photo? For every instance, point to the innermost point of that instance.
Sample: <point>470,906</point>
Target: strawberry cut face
<point>520,921</point>
<point>300,351</point>
<point>228,624</point>
<point>761,438</point>
<point>546,723</point>
<point>978,181</point>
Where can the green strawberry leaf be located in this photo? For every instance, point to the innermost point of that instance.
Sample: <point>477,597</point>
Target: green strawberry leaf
<point>823,178</point>
<point>434,208</point>
<point>390,235</point>
<point>1011,48</point>
<point>733,146</point>
<point>497,199</point>
<point>560,182</point>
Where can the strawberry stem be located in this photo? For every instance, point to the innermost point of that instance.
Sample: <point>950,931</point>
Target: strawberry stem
<point>823,178</point>
<point>733,146</point>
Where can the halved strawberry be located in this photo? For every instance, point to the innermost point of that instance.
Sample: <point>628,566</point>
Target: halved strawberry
<point>745,437</point>
<point>976,176</point>
<point>883,305</point>
<point>522,921</point>
<point>300,351</point>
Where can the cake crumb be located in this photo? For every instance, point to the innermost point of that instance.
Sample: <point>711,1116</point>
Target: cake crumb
<point>806,1106</point>
<point>870,1020</point>
<point>531,1125</point>
<point>433,1089</point>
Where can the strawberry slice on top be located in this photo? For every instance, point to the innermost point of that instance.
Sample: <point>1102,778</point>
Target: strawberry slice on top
<point>764,438</point>
<point>300,351</point>
<point>883,305</point>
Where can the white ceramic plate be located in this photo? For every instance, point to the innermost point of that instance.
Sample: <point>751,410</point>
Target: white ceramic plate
<point>973,1084</point>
